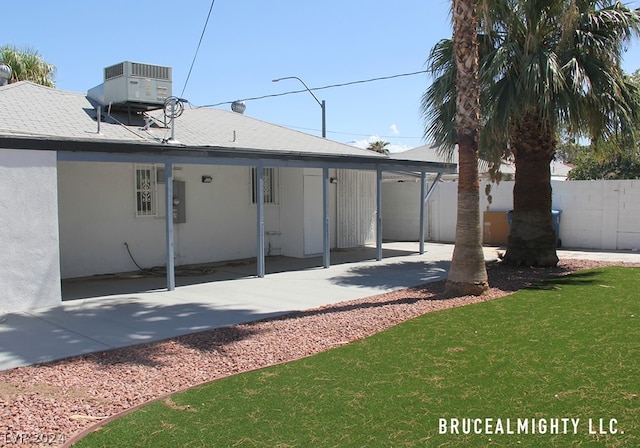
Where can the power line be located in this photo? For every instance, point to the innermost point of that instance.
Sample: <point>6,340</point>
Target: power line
<point>357,134</point>
<point>362,81</point>
<point>198,47</point>
<point>381,136</point>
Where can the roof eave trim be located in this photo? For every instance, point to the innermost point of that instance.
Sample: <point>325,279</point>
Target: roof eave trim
<point>106,150</point>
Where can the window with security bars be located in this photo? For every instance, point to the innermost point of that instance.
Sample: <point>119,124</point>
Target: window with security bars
<point>146,190</point>
<point>271,190</point>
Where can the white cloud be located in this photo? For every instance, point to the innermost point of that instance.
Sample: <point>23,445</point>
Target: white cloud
<point>365,142</point>
<point>394,129</point>
<point>362,144</point>
<point>398,148</point>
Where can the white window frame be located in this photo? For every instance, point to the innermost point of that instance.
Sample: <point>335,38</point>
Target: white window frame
<point>146,190</point>
<point>271,185</point>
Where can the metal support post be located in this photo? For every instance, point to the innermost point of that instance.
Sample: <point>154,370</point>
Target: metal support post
<point>260,219</point>
<point>168,183</point>
<point>379,214</point>
<point>326,219</point>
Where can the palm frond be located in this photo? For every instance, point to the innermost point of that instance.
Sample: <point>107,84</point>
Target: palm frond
<point>561,59</point>
<point>27,65</point>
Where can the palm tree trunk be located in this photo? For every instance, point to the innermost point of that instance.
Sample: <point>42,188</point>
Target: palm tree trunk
<point>468,273</point>
<point>532,240</point>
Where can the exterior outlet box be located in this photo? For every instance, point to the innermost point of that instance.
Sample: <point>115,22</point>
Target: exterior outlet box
<point>134,86</point>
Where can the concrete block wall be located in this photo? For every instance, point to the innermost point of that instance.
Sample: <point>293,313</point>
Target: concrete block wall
<point>595,214</point>
<point>599,214</point>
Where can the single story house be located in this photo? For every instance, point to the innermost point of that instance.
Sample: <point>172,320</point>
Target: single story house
<point>97,183</point>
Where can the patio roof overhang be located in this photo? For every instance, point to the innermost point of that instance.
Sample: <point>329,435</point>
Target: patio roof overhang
<point>94,150</point>
<point>169,154</point>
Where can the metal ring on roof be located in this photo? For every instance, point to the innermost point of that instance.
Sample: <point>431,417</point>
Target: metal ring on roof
<point>173,107</point>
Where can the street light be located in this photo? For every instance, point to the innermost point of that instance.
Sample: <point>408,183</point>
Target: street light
<point>321,103</point>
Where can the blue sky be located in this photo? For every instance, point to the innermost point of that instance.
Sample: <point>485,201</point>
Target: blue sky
<point>250,42</point>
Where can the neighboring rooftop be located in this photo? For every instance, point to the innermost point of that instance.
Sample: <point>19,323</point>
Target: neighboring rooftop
<point>431,153</point>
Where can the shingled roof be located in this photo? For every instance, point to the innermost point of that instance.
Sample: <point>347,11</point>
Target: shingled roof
<point>31,109</point>
<point>38,117</point>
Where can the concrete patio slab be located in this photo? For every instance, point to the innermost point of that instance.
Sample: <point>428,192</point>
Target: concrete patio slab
<point>105,313</point>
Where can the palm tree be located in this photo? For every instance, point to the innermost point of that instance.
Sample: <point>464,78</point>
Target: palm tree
<point>27,65</point>
<point>379,146</point>
<point>468,273</point>
<point>545,66</point>
<point>566,73</point>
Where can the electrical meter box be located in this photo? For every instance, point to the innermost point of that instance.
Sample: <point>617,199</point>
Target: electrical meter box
<point>179,202</point>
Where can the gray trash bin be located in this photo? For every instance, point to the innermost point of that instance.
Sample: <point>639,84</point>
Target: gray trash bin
<point>555,221</point>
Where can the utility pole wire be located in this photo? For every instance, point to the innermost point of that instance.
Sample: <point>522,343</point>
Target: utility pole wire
<point>198,48</point>
<point>320,88</point>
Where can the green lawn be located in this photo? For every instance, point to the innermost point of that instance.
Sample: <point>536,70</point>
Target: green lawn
<point>569,348</point>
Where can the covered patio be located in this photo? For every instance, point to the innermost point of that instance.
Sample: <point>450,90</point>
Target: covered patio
<point>140,310</point>
<point>169,155</point>
<point>85,181</point>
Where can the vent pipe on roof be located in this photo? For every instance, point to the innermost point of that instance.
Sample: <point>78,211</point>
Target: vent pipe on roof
<point>176,107</point>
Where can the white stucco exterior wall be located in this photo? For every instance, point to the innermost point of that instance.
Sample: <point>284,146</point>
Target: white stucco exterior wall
<point>291,204</point>
<point>97,216</point>
<point>29,258</point>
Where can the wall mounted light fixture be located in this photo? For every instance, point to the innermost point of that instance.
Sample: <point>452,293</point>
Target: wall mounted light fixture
<point>207,179</point>
<point>333,180</point>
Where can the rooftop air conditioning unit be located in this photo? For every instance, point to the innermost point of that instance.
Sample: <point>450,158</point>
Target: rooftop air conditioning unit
<point>134,86</point>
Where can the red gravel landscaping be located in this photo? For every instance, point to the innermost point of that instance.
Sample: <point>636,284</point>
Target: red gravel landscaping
<point>47,404</point>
